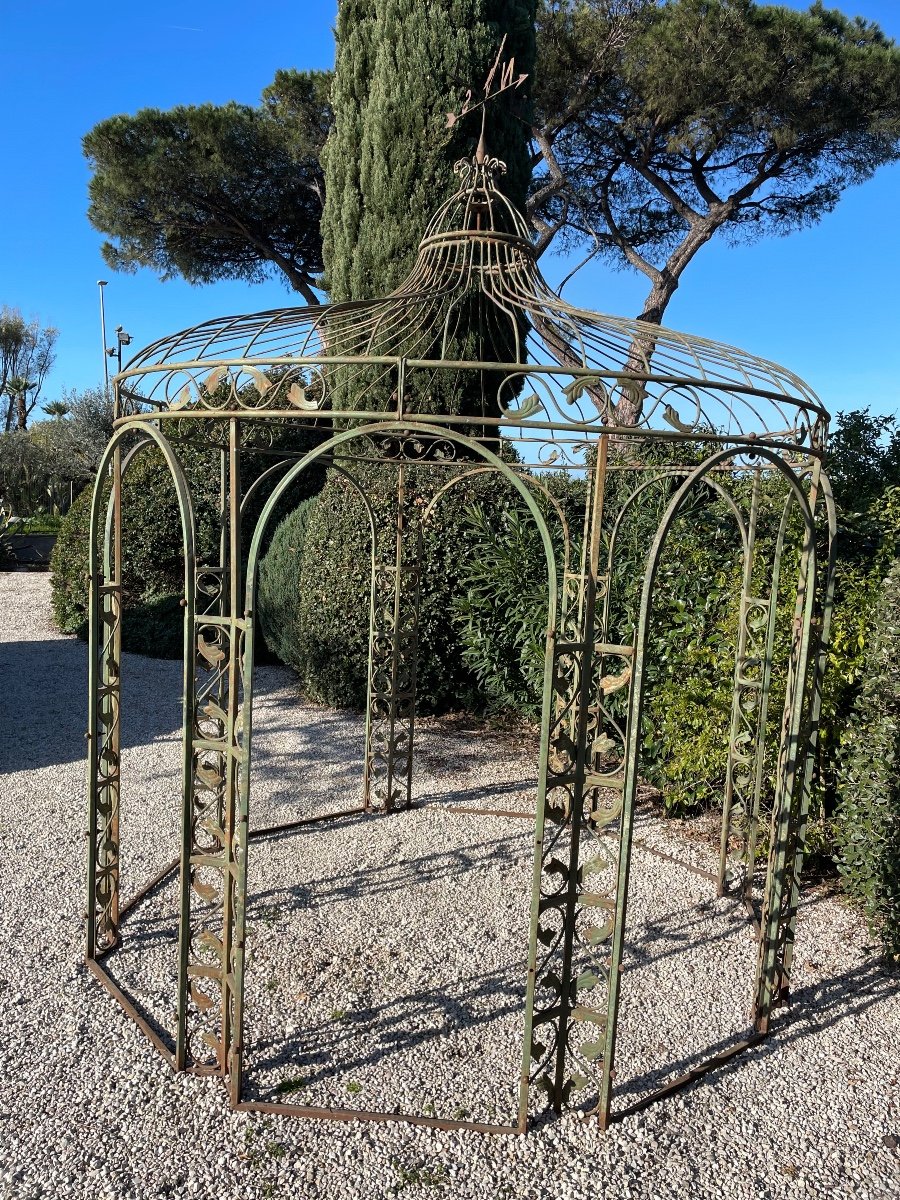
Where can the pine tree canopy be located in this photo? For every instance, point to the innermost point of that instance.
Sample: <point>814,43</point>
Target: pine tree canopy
<point>656,126</point>
<point>660,124</point>
<point>213,192</point>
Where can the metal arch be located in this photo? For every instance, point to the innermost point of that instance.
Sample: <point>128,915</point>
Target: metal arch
<point>110,507</point>
<point>403,427</point>
<point>398,427</point>
<point>504,470</point>
<point>675,472</point>
<point>585,371</point>
<point>633,731</point>
<point>764,681</point>
<point>532,482</point>
<point>789,819</point>
<point>361,494</point>
<point>823,490</point>
<point>747,536</point>
<point>104,736</point>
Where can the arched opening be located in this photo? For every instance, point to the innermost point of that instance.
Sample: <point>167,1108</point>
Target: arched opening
<point>349,985</point>
<point>142,964</point>
<point>691,940</point>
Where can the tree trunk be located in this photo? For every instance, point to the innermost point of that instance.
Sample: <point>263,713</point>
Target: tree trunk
<point>664,288</point>
<point>631,402</point>
<point>665,285</point>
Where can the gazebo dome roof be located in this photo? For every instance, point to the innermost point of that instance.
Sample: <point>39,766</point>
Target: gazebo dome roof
<point>576,366</point>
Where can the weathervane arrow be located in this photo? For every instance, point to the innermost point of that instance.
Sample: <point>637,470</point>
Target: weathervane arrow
<point>501,78</point>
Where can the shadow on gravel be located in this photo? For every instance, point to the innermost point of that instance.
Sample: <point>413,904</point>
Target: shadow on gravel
<point>812,1008</point>
<point>367,1034</point>
<point>482,794</point>
<point>398,876</point>
<point>43,702</point>
<point>681,932</point>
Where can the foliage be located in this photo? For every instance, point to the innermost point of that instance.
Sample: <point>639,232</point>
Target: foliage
<point>27,352</point>
<point>501,611</point>
<point>868,820</point>
<point>211,192</point>
<point>389,164</point>
<point>42,468</point>
<point>694,619</point>
<point>507,658</point>
<point>152,559</point>
<point>651,146</point>
<point>87,427</point>
<point>690,661</point>
<point>37,475</point>
<point>47,523</point>
<point>646,147</point>
<point>278,595</point>
<point>863,463</point>
<point>401,66</point>
<point>328,640</point>
<point>7,555</point>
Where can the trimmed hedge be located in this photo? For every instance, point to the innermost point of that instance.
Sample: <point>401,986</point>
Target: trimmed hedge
<point>867,825</point>
<point>501,611</point>
<point>152,563</point>
<point>278,589</point>
<point>330,652</point>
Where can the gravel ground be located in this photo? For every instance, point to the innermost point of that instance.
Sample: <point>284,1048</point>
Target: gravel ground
<point>386,971</point>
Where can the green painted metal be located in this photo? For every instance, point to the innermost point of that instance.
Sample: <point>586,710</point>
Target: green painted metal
<point>824,594</point>
<point>707,417</point>
<point>104,680</point>
<point>746,695</point>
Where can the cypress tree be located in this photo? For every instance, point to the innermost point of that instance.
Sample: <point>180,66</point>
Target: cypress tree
<point>342,214</point>
<point>401,66</point>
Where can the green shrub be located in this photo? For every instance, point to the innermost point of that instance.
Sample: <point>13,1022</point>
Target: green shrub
<point>502,614</point>
<point>501,611</point>
<point>331,645</point>
<point>867,825</point>
<point>47,524</point>
<point>278,593</point>
<point>37,472</point>
<point>689,665</point>
<point>7,557</point>
<point>68,566</point>
<point>152,560</point>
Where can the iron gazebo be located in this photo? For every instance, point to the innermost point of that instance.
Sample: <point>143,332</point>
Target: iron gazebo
<point>571,391</point>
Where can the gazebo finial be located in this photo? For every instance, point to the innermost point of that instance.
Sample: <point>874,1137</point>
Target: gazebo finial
<point>508,81</point>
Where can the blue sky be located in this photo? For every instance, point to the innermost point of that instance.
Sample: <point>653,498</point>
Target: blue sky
<point>823,301</point>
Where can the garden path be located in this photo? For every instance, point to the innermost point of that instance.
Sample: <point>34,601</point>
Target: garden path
<point>386,968</point>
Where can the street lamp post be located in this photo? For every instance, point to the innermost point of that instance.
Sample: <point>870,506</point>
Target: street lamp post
<point>101,284</point>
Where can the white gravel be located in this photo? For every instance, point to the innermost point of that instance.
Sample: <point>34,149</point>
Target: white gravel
<point>386,971</point>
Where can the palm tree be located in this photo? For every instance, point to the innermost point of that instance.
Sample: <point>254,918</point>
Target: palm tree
<point>17,389</point>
